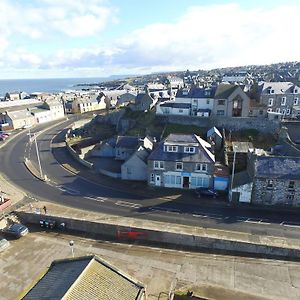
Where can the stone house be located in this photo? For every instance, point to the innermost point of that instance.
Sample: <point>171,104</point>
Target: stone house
<point>16,119</point>
<point>13,96</point>
<point>135,167</point>
<point>86,103</point>
<point>230,101</point>
<point>181,161</point>
<point>280,97</point>
<point>126,146</point>
<point>276,180</point>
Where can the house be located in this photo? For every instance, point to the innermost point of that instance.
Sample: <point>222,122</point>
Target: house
<point>13,96</point>
<point>87,277</point>
<point>86,103</point>
<point>126,146</point>
<point>181,161</point>
<point>214,136</point>
<point>280,97</point>
<point>143,101</point>
<point>230,101</point>
<point>173,108</point>
<point>242,187</point>
<point>200,99</point>
<point>276,180</point>
<point>105,148</point>
<point>236,77</point>
<point>135,167</point>
<point>126,99</point>
<point>16,119</point>
<point>48,111</point>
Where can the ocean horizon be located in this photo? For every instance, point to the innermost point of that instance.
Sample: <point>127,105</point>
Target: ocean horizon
<point>50,85</point>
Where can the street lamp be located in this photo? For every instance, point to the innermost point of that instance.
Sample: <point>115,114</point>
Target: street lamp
<point>233,169</point>
<point>71,243</point>
<point>38,156</point>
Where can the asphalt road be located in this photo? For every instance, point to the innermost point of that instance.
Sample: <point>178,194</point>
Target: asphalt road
<point>68,189</point>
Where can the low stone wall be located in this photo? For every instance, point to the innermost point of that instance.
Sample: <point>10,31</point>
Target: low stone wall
<point>76,156</point>
<point>234,124</point>
<point>165,238</point>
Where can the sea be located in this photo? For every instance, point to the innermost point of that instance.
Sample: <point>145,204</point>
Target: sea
<point>51,85</point>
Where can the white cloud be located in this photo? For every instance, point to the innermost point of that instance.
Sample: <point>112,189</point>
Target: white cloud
<point>204,37</point>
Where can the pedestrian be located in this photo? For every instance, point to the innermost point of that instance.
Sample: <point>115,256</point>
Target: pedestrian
<point>45,209</point>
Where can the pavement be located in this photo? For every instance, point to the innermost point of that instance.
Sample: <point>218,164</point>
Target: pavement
<point>161,270</point>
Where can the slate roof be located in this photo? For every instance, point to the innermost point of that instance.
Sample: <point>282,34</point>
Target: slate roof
<point>241,178</point>
<point>84,278</point>
<point>129,142</point>
<point>197,93</point>
<point>225,90</point>
<point>214,130</point>
<point>278,87</point>
<point>202,153</point>
<point>175,105</point>
<point>277,167</point>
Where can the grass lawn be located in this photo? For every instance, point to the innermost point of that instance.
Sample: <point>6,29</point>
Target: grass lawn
<point>185,129</point>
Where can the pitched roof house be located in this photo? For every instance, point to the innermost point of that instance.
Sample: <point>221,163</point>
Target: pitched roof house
<point>87,277</point>
<point>182,161</point>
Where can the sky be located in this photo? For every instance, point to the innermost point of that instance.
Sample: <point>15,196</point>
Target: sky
<point>99,38</point>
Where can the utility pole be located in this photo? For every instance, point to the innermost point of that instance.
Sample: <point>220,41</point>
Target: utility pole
<point>232,175</point>
<point>38,156</point>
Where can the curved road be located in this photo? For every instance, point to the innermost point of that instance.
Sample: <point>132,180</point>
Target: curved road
<point>65,188</point>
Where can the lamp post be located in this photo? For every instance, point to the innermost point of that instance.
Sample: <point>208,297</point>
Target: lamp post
<point>233,169</point>
<point>38,156</point>
<point>71,243</point>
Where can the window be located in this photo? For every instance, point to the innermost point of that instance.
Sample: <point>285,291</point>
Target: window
<point>207,101</point>
<point>220,112</point>
<point>172,148</point>
<point>201,167</point>
<point>295,91</point>
<point>283,101</point>
<point>270,184</point>
<point>199,181</point>
<point>221,102</point>
<point>152,177</point>
<point>271,91</point>
<point>180,110</point>
<point>189,149</point>
<point>292,185</point>
<point>290,197</point>
<point>250,112</point>
<point>288,111</point>
<point>283,111</point>
<point>296,101</point>
<point>270,102</point>
<point>179,166</point>
<point>261,112</point>
<point>172,180</point>
<point>269,110</point>
<point>158,165</point>
<point>278,110</point>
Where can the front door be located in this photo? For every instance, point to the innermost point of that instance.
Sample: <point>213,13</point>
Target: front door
<point>157,180</point>
<point>186,182</point>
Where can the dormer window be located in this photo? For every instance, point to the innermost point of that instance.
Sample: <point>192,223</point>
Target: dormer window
<point>283,101</point>
<point>172,149</point>
<point>189,149</point>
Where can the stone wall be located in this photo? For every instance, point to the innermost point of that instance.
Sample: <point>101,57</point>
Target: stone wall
<point>234,124</point>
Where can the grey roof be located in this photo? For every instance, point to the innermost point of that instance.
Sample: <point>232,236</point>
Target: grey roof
<point>212,131</point>
<point>197,93</point>
<point>225,90</point>
<point>278,87</point>
<point>277,167</point>
<point>202,154</point>
<point>142,153</point>
<point>19,115</point>
<point>129,142</point>
<point>142,97</point>
<point>84,278</point>
<point>242,147</point>
<point>175,105</point>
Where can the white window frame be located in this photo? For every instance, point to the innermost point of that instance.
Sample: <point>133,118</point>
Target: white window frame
<point>296,101</point>
<point>204,167</point>
<point>269,110</point>
<point>201,167</point>
<point>278,110</point>
<point>172,148</point>
<point>283,101</point>
<point>288,111</point>
<point>189,149</point>
<point>158,165</point>
<point>177,167</point>
<point>270,102</point>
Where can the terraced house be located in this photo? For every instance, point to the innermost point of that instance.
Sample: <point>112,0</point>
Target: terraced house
<point>181,161</point>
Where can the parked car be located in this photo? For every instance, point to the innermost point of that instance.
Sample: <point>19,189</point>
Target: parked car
<point>201,192</point>
<point>16,230</point>
<point>3,137</point>
<point>4,243</point>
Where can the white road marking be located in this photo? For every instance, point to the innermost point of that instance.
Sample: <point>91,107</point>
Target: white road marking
<point>94,199</point>
<point>68,190</point>
<point>127,204</point>
<point>293,225</point>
